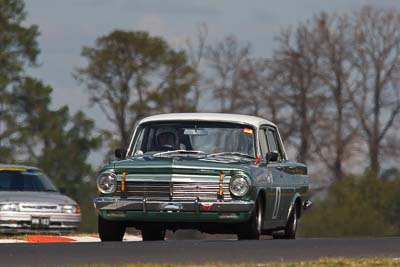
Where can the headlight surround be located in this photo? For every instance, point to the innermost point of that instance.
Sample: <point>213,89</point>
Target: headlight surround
<point>70,209</point>
<point>239,185</point>
<point>9,207</point>
<point>107,182</point>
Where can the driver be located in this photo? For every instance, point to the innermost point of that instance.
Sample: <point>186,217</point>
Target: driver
<point>167,139</point>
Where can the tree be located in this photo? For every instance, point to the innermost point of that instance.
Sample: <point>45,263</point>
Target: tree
<point>376,94</point>
<point>339,79</point>
<point>196,51</point>
<point>178,79</point>
<point>18,48</point>
<point>259,97</point>
<point>64,159</point>
<point>129,75</point>
<point>30,131</point>
<point>338,134</point>
<point>56,142</point>
<point>52,139</point>
<point>292,69</point>
<point>226,60</point>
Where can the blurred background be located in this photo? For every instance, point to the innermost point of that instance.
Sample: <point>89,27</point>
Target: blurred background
<point>75,77</point>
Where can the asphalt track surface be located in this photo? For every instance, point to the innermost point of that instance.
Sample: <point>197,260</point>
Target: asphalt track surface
<point>195,251</point>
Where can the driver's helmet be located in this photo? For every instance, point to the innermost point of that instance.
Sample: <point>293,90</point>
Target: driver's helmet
<point>167,137</point>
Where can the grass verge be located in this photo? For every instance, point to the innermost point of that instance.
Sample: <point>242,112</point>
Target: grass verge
<point>324,262</point>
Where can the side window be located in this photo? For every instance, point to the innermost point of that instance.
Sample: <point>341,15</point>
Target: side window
<point>139,141</point>
<point>273,142</point>
<point>263,142</point>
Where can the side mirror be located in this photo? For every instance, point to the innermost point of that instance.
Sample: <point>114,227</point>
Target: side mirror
<point>120,153</point>
<point>62,190</point>
<point>271,156</point>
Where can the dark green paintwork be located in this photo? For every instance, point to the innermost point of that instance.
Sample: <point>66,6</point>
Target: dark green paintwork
<point>280,185</point>
<point>173,217</point>
<point>287,175</point>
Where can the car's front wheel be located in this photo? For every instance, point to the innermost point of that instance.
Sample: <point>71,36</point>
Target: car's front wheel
<point>152,233</point>
<point>110,230</point>
<point>291,225</point>
<point>252,229</point>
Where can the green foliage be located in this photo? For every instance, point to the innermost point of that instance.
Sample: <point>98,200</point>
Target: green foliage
<point>355,206</point>
<point>18,48</point>
<point>57,142</point>
<point>130,75</point>
<point>85,194</point>
<point>33,133</point>
<point>18,43</point>
<point>179,78</point>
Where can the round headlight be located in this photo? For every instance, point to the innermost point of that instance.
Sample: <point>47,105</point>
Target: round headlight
<point>239,186</point>
<point>107,182</point>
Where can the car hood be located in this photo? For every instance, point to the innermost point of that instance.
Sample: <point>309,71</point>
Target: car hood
<point>35,197</point>
<point>179,165</point>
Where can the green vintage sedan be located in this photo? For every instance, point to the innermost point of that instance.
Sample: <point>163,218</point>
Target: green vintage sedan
<point>217,173</point>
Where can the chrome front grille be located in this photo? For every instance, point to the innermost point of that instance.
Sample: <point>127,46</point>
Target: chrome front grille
<point>153,190</point>
<point>170,191</point>
<point>33,207</point>
<point>204,191</point>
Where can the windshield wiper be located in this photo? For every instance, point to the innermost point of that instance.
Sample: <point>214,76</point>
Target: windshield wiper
<point>179,151</point>
<point>50,190</point>
<point>239,154</point>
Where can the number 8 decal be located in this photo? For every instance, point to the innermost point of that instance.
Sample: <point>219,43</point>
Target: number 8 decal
<point>277,202</point>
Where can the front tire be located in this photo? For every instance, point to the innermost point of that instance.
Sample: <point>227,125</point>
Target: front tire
<point>291,225</point>
<point>252,229</point>
<point>110,230</point>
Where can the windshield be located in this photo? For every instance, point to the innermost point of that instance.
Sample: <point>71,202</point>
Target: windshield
<point>30,180</point>
<point>202,137</point>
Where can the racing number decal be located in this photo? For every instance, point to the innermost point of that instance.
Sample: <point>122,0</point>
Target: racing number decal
<point>277,202</point>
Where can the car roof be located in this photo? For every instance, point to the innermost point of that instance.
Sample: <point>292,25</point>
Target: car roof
<point>17,166</point>
<point>220,117</point>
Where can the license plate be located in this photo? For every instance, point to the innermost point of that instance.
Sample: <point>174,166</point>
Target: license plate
<point>171,206</point>
<point>40,221</point>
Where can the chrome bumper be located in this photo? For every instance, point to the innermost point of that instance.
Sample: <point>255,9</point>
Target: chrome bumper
<point>21,222</point>
<point>107,204</point>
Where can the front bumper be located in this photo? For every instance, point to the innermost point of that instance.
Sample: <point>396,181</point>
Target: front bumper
<point>23,222</point>
<point>185,211</point>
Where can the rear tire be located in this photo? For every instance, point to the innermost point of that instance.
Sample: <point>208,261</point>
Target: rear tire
<point>153,234</point>
<point>252,229</point>
<point>110,230</point>
<point>291,225</point>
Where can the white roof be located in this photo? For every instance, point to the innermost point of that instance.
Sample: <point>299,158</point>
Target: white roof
<point>220,117</point>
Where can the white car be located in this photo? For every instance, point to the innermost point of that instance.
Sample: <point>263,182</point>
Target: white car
<point>29,202</point>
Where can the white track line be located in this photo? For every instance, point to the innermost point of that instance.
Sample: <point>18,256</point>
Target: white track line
<point>96,239</point>
<point>12,241</point>
<point>77,239</point>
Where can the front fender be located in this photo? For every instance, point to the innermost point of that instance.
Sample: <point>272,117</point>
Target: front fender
<point>292,203</point>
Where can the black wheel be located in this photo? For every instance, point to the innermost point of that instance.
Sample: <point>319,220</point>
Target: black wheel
<point>110,230</point>
<point>153,234</point>
<point>252,229</point>
<point>291,225</point>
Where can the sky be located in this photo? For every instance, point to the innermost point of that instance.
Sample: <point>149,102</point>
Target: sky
<point>66,26</point>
